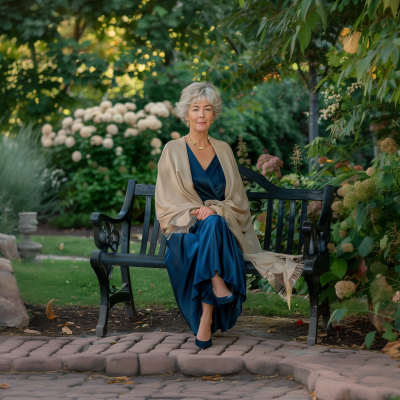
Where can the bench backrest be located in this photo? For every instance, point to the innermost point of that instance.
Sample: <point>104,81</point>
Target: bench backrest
<point>272,193</point>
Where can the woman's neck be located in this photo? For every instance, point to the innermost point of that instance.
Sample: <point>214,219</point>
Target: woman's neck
<point>200,138</point>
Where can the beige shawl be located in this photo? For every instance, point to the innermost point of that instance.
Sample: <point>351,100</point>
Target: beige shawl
<point>176,198</point>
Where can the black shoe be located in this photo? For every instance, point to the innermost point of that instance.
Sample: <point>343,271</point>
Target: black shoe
<point>203,345</point>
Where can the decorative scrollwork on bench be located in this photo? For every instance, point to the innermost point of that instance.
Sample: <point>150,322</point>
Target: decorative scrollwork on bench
<point>109,237</point>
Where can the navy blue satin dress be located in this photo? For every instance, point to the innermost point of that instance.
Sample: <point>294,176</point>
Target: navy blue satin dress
<point>210,246</point>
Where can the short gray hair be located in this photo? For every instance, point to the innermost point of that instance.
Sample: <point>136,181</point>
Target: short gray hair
<point>198,92</point>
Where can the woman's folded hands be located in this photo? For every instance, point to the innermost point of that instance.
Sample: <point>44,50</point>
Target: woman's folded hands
<point>203,212</point>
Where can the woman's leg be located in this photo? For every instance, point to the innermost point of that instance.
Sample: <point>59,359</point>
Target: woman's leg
<point>204,332</point>
<point>219,287</point>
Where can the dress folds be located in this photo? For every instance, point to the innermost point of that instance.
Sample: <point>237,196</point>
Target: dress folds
<point>210,246</point>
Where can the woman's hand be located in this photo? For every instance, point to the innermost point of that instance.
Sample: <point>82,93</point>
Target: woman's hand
<point>203,212</point>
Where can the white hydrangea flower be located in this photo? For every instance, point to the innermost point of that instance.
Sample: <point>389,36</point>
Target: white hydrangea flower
<point>88,156</point>
<point>119,149</point>
<point>98,118</point>
<point>76,156</point>
<point>131,132</point>
<point>155,142</point>
<point>148,106</point>
<point>85,132</point>
<point>77,120</point>
<point>168,104</point>
<point>47,129</point>
<point>105,104</point>
<point>121,108</point>
<point>47,142</point>
<point>62,132</point>
<point>175,135</point>
<point>109,135</point>
<point>60,139</point>
<point>155,151</point>
<point>107,117</point>
<point>52,135</point>
<point>92,128</point>
<point>70,141</point>
<point>118,118</point>
<point>66,122</point>
<point>88,116</point>
<point>108,143</point>
<point>79,113</point>
<point>142,124</point>
<point>141,114</point>
<point>130,106</point>
<point>112,128</point>
<point>344,289</point>
<point>153,123</point>
<point>130,117</point>
<point>159,109</point>
<point>77,126</point>
<point>96,140</point>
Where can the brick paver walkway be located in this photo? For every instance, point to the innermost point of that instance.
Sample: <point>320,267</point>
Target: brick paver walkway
<point>73,386</point>
<point>334,374</point>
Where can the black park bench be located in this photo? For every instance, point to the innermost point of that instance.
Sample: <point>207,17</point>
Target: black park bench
<point>113,245</point>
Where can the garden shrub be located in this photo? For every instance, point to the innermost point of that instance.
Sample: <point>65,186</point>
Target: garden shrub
<point>104,146</point>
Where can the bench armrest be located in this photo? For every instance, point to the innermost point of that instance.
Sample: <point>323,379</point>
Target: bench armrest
<point>107,237</point>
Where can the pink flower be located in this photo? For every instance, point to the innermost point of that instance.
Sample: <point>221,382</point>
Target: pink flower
<point>269,165</point>
<point>396,297</point>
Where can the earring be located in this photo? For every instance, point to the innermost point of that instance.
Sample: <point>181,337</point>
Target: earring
<point>187,124</point>
<point>212,122</point>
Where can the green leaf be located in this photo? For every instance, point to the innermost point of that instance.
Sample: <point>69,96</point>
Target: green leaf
<point>369,338</point>
<point>365,247</point>
<point>394,4</point>
<point>340,314</point>
<point>376,307</point>
<point>397,324</point>
<point>322,13</point>
<point>241,2</point>
<point>325,278</point>
<point>339,267</point>
<point>387,180</point>
<point>373,5</point>
<point>161,11</point>
<point>392,337</point>
<point>294,40</point>
<point>305,36</point>
<point>388,327</point>
<point>360,217</point>
<point>304,8</point>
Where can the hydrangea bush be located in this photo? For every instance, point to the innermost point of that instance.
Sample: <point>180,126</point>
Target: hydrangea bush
<point>100,148</point>
<point>365,247</point>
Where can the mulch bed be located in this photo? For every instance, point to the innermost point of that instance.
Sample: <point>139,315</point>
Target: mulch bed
<point>85,321</point>
<point>350,333</point>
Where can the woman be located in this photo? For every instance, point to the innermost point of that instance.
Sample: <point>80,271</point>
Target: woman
<point>204,213</point>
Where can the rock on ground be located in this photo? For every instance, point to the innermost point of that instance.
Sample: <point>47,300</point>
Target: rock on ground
<point>13,312</point>
<point>8,246</point>
<point>5,265</point>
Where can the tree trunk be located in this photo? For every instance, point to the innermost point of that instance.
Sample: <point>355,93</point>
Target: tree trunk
<point>314,112</point>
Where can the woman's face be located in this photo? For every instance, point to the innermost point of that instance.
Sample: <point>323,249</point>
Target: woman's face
<point>200,116</point>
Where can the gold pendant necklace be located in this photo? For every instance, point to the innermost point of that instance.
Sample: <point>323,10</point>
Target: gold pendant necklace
<point>199,147</point>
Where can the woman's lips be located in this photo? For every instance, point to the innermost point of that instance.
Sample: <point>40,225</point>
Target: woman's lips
<point>202,123</point>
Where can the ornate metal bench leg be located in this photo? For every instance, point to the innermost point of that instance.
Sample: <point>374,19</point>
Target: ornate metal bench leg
<point>101,328</point>
<point>129,307</point>
<point>312,283</point>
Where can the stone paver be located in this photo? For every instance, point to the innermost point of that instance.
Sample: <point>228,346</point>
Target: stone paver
<point>79,386</point>
<point>334,374</point>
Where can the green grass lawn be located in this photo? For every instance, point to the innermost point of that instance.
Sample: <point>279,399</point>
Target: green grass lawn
<point>75,283</point>
<point>73,245</point>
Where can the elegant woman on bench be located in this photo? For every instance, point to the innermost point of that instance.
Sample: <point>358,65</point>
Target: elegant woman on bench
<point>204,213</point>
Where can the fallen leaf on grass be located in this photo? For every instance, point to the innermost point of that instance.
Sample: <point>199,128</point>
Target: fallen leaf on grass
<point>49,311</point>
<point>151,285</point>
<point>61,246</point>
<point>271,331</point>
<point>139,322</point>
<point>30,331</point>
<point>4,385</point>
<point>67,330</point>
<point>140,292</point>
<point>212,378</point>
